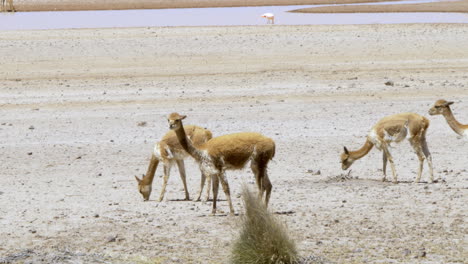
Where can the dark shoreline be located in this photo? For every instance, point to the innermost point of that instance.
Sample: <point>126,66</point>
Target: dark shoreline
<point>68,5</point>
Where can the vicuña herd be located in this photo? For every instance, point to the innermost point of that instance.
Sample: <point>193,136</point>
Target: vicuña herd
<point>233,151</point>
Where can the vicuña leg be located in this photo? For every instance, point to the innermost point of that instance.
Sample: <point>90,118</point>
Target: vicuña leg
<point>258,180</point>
<point>392,164</point>
<point>181,166</point>
<point>267,187</point>
<point>215,186</point>
<point>167,172</point>
<point>428,157</point>
<point>227,192</point>
<point>384,168</point>
<point>202,185</point>
<point>259,169</point>
<point>416,144</point>
<point>224,183</point>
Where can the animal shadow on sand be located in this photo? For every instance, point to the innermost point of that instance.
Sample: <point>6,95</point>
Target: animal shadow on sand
<point>184,200</point>
<point>347,177</point>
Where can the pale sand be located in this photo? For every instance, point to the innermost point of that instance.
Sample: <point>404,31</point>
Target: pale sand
<point>65,5</point>
<point>72,100</point>
<point>460,6</point>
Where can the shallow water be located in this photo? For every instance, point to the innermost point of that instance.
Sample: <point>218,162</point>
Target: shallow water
<point>224,16</point>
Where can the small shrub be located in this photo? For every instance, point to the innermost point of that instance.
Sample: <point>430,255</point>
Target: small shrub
<point>263,238</point>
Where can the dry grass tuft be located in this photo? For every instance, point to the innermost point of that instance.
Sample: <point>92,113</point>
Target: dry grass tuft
<point>342,177</point>
<point>263,238</point>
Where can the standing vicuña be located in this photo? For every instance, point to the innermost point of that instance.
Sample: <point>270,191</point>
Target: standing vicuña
<point>442,107</point>
<point>168,151</point>
<point>229,152</point>
<point>394,128</point>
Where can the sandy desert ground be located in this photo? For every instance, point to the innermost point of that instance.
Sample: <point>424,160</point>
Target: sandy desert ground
<point>72,140</point>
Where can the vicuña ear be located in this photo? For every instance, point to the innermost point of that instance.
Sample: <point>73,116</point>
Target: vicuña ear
<point>183,117</point>
<point>346,151</point>
<point>138,180</point>
<point>448,103</point>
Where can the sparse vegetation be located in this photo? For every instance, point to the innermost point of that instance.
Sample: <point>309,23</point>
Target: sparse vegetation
<point>263,238</point>
<point>342,177</point>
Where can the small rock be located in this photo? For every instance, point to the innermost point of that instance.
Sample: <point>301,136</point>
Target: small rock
<point>318,172</point>
<point>421,254</point>
<point>389,83</point>
<point>111,238</point>
<point>31,127</point>
<point>30,153</point>
<point>96,215</point>
<point>406,252</point>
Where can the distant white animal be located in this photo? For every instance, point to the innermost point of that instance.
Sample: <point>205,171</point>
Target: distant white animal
<point>270,18</point>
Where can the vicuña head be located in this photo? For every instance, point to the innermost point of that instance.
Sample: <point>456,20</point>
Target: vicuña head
<point>175,120</point>
<point>442,107</point>
<point>144,189</point>
<point>346,159</point>
<point>228,152</point>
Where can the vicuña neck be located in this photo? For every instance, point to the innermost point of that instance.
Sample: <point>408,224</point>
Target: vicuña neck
<point>148,179</point>
<point>453,123</point>
<point>362,151</point>
<point>187,144</point>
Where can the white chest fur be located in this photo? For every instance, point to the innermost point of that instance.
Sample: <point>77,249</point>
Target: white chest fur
<point>374,138</point>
